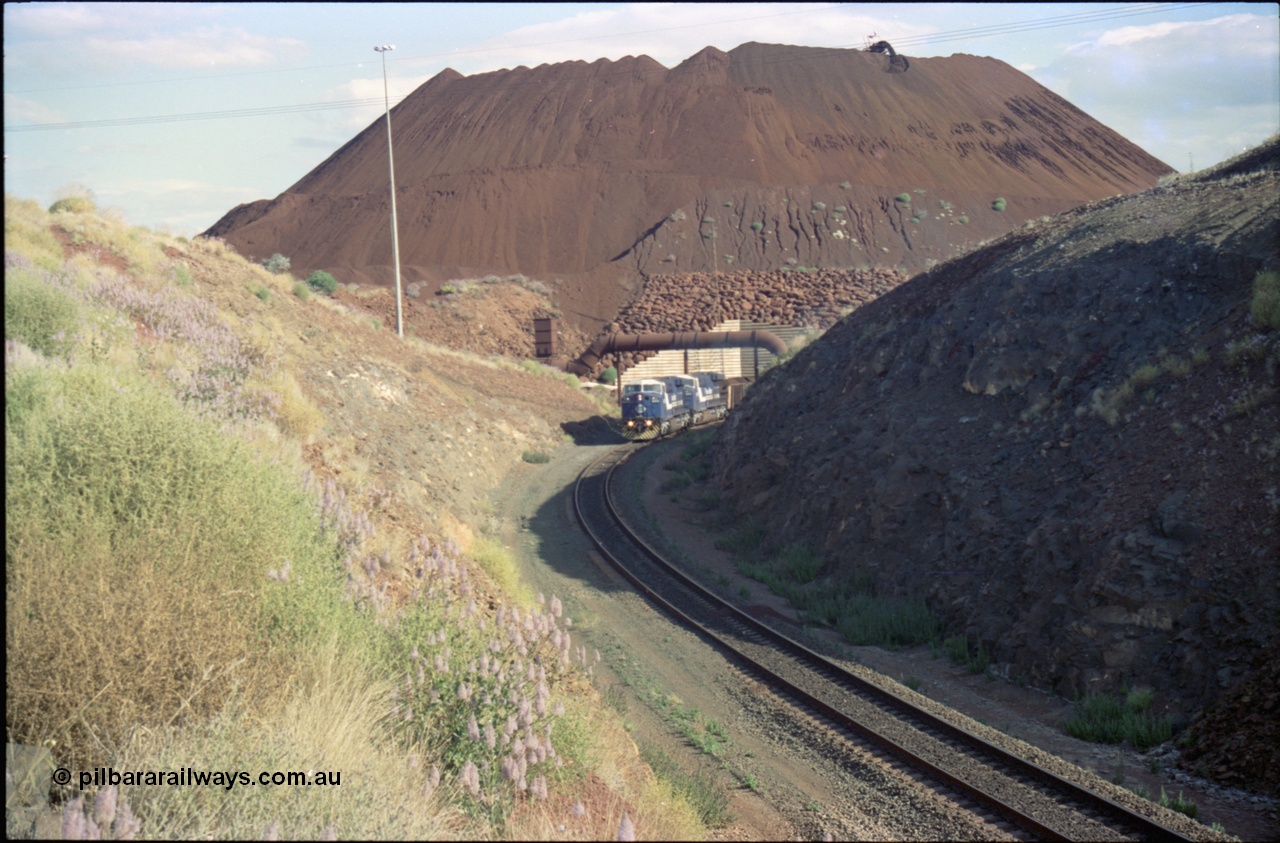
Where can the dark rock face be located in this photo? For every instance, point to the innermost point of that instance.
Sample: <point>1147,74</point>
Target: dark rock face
<point>1068,441</point>
<point>602,173</point>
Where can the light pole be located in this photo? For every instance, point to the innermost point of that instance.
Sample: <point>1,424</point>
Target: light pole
<point>391,164</point>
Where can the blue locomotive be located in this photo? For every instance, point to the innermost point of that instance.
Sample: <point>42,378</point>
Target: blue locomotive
<point>658,406</point>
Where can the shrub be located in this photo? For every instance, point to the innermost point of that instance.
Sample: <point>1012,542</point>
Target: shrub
<point>846,185</point>
<point>609,376</point>
<point>903,198</point>
<point>998,205</point>
<point>136,562</point>
<point>262,292</point>
<point>301,290</point>
<point>276,264</point>
<point>757,225</point>
<point>535,457</point>
<point>819,206</point>
<point>962,219</point>
<point>73,205</point>
<point>323,282</point>
<point>43,317</point>
<point>1265,307</point>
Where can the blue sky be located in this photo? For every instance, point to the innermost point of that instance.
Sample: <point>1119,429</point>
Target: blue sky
<point>1192,83</point>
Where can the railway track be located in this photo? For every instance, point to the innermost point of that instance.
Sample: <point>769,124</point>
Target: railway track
<point>988,778</point>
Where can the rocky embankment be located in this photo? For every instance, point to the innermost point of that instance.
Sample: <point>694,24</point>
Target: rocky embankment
<point>1066,441</point>
<point>697,301</point>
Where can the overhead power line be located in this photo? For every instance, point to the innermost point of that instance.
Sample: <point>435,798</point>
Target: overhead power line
<point>900,44</point>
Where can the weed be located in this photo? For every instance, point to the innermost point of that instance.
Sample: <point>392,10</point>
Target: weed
<point>301,290</point>
<point>1101,718</point>
<point>913,682</point>
<point>977,660</point>
<point>1144,375</point>
<point>1265,305</point>
<point>701,791</point>
<point>751,782</point>
<point>744,593</point>
<point>1177,803</point>
<point>535,457</point>
<point>263,293</point>
<point>744,540</point>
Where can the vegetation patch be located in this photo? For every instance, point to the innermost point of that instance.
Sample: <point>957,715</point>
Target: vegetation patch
<point>1102,718</point>
<point>1265,305</point>
<point>322,282</point>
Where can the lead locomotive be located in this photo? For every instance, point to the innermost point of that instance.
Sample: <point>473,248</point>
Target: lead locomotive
<point>659,406</point>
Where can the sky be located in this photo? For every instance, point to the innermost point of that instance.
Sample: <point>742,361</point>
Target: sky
<point>174,113</point>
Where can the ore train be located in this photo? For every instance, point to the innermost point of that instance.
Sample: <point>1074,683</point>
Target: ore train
<point>655,407</point>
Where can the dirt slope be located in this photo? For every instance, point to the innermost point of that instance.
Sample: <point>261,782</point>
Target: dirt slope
<point>600,173</point>
<point>1066,440</point>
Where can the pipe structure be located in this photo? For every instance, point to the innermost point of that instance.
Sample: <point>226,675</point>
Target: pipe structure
<point>616,343</point>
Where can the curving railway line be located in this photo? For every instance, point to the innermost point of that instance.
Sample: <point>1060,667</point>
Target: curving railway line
<point>1034,801</point>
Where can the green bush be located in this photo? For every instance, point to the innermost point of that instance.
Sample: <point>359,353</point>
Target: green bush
<point>301,290</point>
<point>535,457</point>
<point>757,225</point>
<point>262,292</point>
<point>609,376</point>
<point>323,282</point>
<point>903,198</point>
<point>276,264</point>
<point>136,561</point>
<point>1265,307</point>
<point>962,219</point>
<point>73,205</point>
<point>998,205</point>
<point>37,314</point>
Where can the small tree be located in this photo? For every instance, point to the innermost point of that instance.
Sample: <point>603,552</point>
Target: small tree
<point>323,282</point>
<point>609,376</point>
<point>276,264</point>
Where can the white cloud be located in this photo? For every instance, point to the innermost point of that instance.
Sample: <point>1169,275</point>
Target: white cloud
<point>1157,84</point>
<point>209,47</point>
<point>68,20</point>
<point>20,110</point>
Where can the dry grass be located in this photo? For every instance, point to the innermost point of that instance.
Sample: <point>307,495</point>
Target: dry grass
<point>332,719</point>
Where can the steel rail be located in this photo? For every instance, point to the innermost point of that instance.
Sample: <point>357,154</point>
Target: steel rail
<point>924,721</point>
